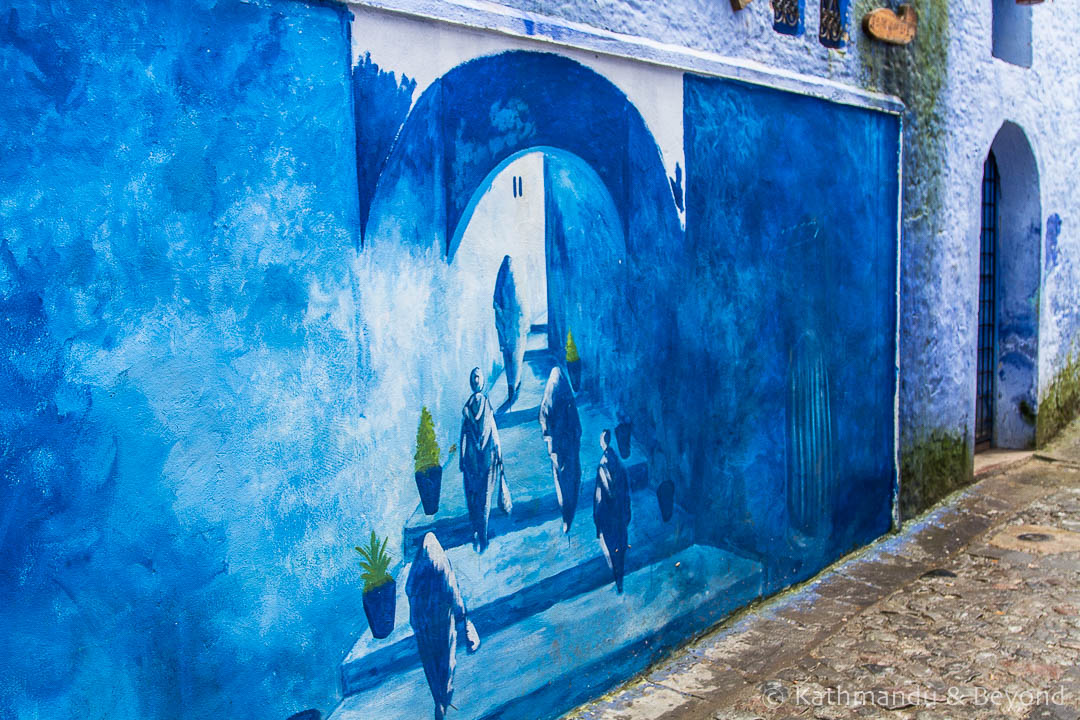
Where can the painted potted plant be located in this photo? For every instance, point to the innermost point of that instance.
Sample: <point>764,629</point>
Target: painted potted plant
<point>573,362</point>
<point>428,468</point>
<point>665,496</point>
<point>380,589</point>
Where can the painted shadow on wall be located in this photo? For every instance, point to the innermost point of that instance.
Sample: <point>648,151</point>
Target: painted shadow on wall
<point>791,208</point>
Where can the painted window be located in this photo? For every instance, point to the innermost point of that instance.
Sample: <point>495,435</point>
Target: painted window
<point>788,16</point>
<point>1012,32</point>
<point>832,31</point>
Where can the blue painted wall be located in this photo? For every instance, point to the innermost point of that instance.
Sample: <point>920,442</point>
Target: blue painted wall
<point>796,253</point>
<point>212,381</point>
<point>179,207</point>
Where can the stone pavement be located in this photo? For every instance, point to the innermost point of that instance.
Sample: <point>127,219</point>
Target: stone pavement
<point>973,611</point>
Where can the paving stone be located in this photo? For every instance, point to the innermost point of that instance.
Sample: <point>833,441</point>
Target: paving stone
<point>885,572</point>
<point>757,652</point>
<point>815,612</point>
<point>853,592</point>
<point>644,701</point>
<point>692,675</point>
<point>1020,487</point>
<point>944,541</point>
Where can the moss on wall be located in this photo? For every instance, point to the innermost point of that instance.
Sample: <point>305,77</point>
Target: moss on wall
<point>1060,403</point>
<point>933,461</point>
<point>931,468</point>
<point>916,73</point>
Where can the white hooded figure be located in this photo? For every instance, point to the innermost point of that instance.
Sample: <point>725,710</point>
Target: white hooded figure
<point>510,325</point>
<point>435,609</point>
<point>481,460</point>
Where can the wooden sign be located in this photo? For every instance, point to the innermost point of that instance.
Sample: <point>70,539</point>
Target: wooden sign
<point>740,4</point>
<point>895,28</point>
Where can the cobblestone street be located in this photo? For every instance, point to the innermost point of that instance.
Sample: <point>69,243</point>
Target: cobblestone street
<point>971,612</point>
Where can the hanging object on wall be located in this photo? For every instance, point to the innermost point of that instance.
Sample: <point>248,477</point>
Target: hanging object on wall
<point>894,28</point>
<point>740,4</point>
<point>832,31</point>
<point>788,16</point>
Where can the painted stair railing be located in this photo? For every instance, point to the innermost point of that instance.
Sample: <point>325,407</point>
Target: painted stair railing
<point>554,631</point>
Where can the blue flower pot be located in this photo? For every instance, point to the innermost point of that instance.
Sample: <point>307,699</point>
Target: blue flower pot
<point>380,605</point>
<point>429,484</point>
<point>622,436</point>
<point>573,369</point>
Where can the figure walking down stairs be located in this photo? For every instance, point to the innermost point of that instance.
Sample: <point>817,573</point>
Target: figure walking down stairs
<point>481,461</point>
<point>561,426</point>
<point>611,509</point>
<point>435,609</point>
<point>511,325</point>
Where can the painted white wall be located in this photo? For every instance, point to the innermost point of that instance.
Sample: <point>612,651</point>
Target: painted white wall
<point>502,224</point>
<point>433,49</point>
<point>982,93</point>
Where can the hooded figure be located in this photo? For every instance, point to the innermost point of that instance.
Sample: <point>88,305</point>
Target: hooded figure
<point>561,427</point>
<point>481,461</point>
<point>510,324</point>
<point>611,509</point>
<point>435,609</point>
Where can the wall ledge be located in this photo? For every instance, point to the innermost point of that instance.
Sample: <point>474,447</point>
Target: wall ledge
<point>487,16</point>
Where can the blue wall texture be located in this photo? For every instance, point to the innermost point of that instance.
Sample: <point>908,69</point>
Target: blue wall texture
<point>177,178</point>
<point>228,284</point>
<point>795,244</point>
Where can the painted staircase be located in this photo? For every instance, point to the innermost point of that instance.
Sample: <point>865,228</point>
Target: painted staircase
<point>553,630</point>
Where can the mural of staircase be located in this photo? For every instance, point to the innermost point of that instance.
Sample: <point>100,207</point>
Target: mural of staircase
<point>554,631</point>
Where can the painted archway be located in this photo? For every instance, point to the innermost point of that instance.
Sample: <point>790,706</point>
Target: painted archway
<point>1017,283</point>
<point>484,112</point>
<point>466,126</point>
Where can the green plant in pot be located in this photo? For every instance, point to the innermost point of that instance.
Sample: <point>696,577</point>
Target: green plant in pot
<point>428,468</point>
<point>380,589</point>
<point>573,362</point>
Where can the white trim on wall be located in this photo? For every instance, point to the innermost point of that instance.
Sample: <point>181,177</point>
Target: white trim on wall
<point>479,15</point>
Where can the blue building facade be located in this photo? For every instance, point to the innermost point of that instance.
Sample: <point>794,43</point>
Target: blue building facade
<point>253,313</point>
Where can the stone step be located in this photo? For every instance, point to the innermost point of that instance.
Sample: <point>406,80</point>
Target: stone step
<point>526,407</point>
<point>545,664</point>
<point>536,342</point>
<point>520,574</point>
<point>528,473</point>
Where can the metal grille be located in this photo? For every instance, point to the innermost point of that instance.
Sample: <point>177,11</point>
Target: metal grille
<point>831,29</point>
<point>788,16</point>
<point>984,382</point>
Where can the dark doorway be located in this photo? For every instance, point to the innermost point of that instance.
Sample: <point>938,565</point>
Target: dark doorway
<point>987,356</point>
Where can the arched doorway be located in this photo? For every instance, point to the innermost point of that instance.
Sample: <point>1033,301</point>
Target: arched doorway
<point>986,351</point>
<point>551,214</point>
<point>1009,280</point>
